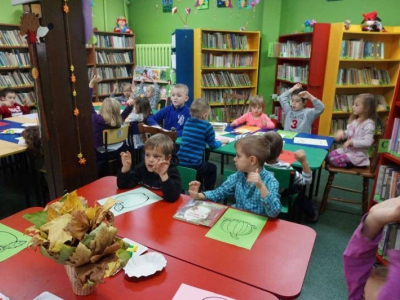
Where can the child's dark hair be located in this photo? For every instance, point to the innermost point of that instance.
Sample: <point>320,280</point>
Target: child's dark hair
<point>255,145</point>
<point>144,107</point>
<point>6,91</point>
<point>370,103</point>
<point>162,142</point>
<point>298,91</point>
<point>275,144</point>
<point>33,140</point>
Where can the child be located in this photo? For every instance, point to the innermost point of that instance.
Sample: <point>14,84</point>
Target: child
<point>298,118</point>
<point>255,117</point>
<point>255,189</point>
<point>175,115</point>
<point>196,134</point>
<point>300,180</point>
<point>360,255</point>
<point>128,91</point>
<point>158,170</point>
<point>359,135</point>
<point>33,141</point>
<point>152,92</point>
<point>8,107</point>
<point>141,113</point>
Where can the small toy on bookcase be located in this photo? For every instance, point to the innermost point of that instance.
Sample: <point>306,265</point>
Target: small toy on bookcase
<point>309,25</point>
<point>372,22</point>
<point>122,25</point>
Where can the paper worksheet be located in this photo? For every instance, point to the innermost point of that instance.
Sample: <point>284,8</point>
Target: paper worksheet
<point>190,292</point>
<point>307,141</point>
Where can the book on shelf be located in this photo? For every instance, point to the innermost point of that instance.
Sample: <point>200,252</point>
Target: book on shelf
<point>157,73</point>
<point>200,212</point>
<point>360,49</point>
<point>345,102</point>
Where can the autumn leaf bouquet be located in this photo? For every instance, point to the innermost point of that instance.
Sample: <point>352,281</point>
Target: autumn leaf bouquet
<point>82,238</point>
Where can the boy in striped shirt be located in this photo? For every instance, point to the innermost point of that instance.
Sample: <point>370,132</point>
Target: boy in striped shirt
<point>198,133</point>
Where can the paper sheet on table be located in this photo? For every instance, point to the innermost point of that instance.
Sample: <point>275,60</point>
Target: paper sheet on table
<point>189,292</point>
<point>12,131</point>
<point>28,124</point>
<point>11,242</point>
<point>246,129</point>
<point>132,200</point>
<point>287,134</point>
<point>238,228</point>
<point>307,141</point>
<point>30,116</point>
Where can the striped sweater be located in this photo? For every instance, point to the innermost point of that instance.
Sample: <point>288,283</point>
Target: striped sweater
<point>196,134</point>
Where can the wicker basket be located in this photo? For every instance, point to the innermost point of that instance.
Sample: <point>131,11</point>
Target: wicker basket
<point>76,286</point>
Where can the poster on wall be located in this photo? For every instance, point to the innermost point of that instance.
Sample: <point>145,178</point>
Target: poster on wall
<point>167,6</point>
<point>201,4</point>
<point>224,3</point>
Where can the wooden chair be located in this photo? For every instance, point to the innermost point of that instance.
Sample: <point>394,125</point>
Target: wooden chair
<point>187,175</point>
<point>366,173</point>
<point>233,108</point>
<point>146,130</point>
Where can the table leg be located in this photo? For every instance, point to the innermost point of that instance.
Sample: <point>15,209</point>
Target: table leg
<point>310,192</point>
<point>318,179</point>
<point>222,164</point>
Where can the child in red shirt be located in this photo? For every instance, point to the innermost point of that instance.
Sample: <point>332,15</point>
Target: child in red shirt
<point>8,107</point>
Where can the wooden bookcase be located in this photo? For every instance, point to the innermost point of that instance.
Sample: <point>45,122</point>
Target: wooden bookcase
<point>312,65</point>
<point>358,71</point>
<point>228,60</point>
<point>15,64</point>
<point>113,58</point>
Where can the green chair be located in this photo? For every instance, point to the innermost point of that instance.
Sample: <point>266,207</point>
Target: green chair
<point>187,175</point>
<point>226,174</point>
<point>285,178</point>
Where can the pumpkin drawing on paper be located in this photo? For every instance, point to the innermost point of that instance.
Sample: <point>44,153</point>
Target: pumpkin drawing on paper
<point>236,227</point>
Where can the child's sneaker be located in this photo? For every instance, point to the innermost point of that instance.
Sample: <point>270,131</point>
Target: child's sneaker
<point>315,217</point>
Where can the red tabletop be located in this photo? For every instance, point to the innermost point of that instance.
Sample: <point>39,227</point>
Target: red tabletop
<point>28,274</point>
<point>276,263</point>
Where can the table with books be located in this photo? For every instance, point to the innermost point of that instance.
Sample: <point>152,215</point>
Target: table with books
<point>276,263</point>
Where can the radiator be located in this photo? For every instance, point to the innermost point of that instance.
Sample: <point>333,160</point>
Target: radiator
<point>153,55</point>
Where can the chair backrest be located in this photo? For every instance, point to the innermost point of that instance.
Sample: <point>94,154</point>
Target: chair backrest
<point>146,130</point>
<point>233,107</point>
<point>226,174</point>
<point>114,136</point>
<point>285,177</point>
<point>187,175</point>
<point>161,103</point>
<point>374,155</point>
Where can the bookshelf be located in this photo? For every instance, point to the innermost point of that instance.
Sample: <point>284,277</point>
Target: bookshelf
<point>15,64</point>
<point>359,62</point>
<point>225,62</point>
<point>113,58</point>
<point>301,57</point>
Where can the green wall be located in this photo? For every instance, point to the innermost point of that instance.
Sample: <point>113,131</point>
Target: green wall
<point>11,14</point>
<point>295,12</point>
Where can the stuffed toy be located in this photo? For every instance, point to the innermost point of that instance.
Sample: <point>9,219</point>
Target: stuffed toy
<point>122,26</point>
<point>372,22</point>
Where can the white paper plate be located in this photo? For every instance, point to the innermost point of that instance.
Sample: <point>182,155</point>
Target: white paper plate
<point>145,265</point>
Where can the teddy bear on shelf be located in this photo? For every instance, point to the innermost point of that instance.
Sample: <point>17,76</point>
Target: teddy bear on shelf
<point>122,26</point>
<point>372,22</point>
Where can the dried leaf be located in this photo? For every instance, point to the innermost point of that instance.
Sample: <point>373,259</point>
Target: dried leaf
<point>79,224</point>
<point>56,232</point>
<point>108,250</point>
<point>37,218</point>
<point>103,237</point>
<point>52,213</point>
<point>71,204</point>
<point>102,212</point>
<point>81,255</point>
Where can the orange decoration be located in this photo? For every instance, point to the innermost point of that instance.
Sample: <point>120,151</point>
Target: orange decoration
<point>35,73</point>
<point>82,161</point>
<point>76,112</point>
<point>73,78</point>
<point>66,8</point>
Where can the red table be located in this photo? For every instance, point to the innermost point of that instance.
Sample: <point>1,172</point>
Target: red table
<point>277,262</point>
<point>28,274</point>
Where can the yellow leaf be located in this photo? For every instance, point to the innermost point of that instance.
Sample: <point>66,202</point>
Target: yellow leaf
<point>56,232</point>
<point>79,224</point>
<point>81,255</point>
<point>71,203</point>
<point>52,213</point>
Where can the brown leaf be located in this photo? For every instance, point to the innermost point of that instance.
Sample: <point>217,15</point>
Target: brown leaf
<point>109,250</point>
<point>56,232</point>
<point>81,255</point>
<point>79,224</point>
<point>103,238</point>
<point>102,211</point>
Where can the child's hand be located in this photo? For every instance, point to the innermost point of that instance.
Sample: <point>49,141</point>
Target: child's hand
<point>300,156</point>
<point>223,140</point>
<point>115,88</point>
<point>306,95</point>
<point>264,123</point>
<point>161,167</point>
<point>130,102</point>
<point>255,178</point>
<point>347,144</point>
<point>95,79</point>
<point>25,101</point>
<point>194,187</point>
<point>339,136</point>
<point>233,124</point>
<point>296,86</point>
<point>126,160</point>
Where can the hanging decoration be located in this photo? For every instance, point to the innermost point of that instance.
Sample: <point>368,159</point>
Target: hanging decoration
<point>187,11</point>
<point>167,6</point>
<point>224,3</point>
<point>201,4</point>
<point>247,4</point>
<point>73,79</point>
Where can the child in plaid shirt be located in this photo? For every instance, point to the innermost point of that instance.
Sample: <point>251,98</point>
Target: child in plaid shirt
<point>255,189</point>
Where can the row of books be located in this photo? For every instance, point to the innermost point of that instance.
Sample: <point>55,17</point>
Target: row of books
<point>293,73</point>
<point>290,49</point>
<point>394,143</point>
<point>338,124</point>
<point>230,60</point>
<point>387,183</point>
<point>12,38</point>
<point>220,40</point>
<point>360,49</point>
<point>30,98</point>
<point>15,79</point>
<point>216,96</point>
<point>345,102</point>
<point>115,72</point>
<point>156,73</point>
<point>223,79</point>
<point>366,76</point>
<point>113,58</point>
<point>114,41</point>
<point>14,58</point>
<point>108,88</point>
<point>219,114</point>
<point>390,239</point>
